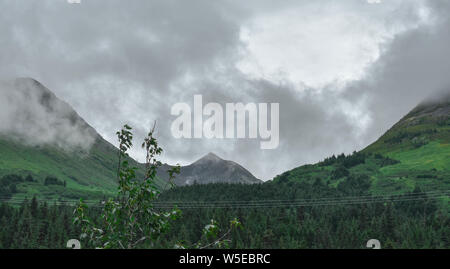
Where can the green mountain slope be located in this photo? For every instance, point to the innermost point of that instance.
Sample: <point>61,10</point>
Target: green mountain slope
<point>56,172</point>
<point>429,121</point>
<point>86,175</point>
<point>414,153</point>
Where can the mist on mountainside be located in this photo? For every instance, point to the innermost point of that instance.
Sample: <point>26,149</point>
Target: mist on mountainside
<point>33,115</point>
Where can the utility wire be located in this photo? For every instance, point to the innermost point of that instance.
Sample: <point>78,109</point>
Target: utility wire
<point>256,201</point>
<point>346,198</point>
<point>266,203</point>
<point>312,199</point>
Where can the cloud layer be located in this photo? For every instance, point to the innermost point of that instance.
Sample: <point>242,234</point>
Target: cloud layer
<point>342,71</point>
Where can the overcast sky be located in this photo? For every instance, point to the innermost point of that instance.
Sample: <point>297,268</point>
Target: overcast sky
<point>343,71</point>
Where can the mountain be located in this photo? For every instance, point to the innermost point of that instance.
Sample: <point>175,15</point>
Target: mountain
<point>48,150</point>
<point>213,169</point>
<point>414,153</point>
<point>428,122</point>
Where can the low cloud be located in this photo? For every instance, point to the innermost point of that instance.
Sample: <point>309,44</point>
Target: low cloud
<point>33,115</point>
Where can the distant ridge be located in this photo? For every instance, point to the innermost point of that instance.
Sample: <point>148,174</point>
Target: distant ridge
<point>43,136</point>
<point>213,169</point>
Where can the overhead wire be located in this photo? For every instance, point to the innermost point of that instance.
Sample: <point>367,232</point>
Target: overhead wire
<point>324,201</point>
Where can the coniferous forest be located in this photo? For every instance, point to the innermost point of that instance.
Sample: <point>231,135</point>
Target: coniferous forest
<point>408,224</point>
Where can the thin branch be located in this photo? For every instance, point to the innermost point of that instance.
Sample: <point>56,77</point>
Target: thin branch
<point>218,240</point>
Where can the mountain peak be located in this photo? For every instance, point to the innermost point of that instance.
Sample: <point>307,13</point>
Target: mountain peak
<point>213,169</point>
<point>210,157</point>
<point>432,109</point>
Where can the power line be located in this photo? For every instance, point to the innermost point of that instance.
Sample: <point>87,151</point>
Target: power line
<point>309,204</point>
<point>267,203</point>
<point>344,198</point>
<point>5,198</point>
<point>312,199</point>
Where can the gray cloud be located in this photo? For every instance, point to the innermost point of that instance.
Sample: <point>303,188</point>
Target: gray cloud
<point>122,62</point>
<point>414,67</point>
<point>33,115</point>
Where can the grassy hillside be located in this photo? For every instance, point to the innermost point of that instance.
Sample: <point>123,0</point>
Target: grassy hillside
<point>82,175</point>
<point>414,153</point>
